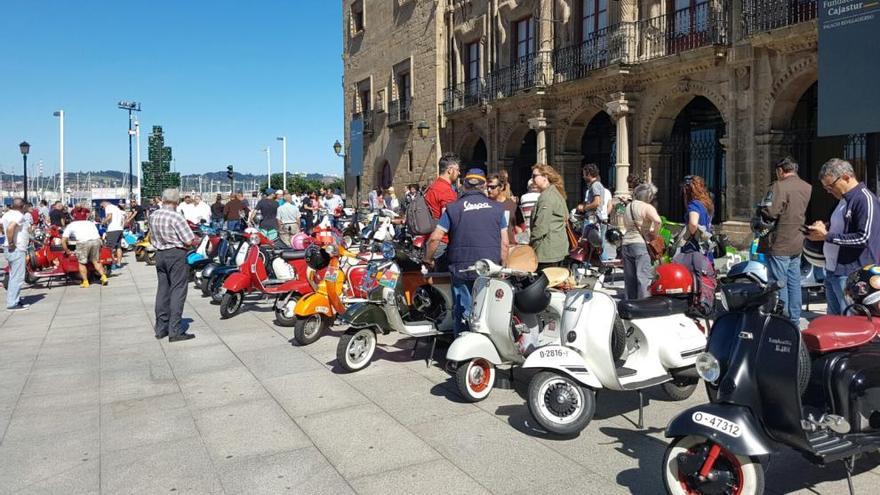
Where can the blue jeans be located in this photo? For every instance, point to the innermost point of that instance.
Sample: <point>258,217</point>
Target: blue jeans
<point>787,269</point>
<point>16,277</point>
<point>232,225</point>
<point>835,293</point>
<point>461,304</point>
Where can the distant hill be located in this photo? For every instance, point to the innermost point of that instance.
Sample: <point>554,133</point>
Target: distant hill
<point>107,177</point>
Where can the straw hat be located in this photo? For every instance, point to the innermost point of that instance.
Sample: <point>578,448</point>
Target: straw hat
<point>522,258</point>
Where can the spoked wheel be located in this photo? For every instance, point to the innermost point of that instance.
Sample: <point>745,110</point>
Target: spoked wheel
<point>559,404</point>
<point>475,379</point>
<point>680,389</point>
<point>731,474</point>
<point>356,348</point>
<point>230,304</point>
<point>308,329</point>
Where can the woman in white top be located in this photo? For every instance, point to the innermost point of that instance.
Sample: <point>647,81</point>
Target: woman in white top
<point>639,219</point>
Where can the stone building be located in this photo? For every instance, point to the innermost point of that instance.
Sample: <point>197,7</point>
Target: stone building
<point>659,88</point>
<point>392,84</point>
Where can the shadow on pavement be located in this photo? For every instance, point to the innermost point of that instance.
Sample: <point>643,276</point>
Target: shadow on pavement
<point>647,450</point>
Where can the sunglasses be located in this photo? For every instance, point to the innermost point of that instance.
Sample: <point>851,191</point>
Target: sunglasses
<point>493,186</point>
<point>830,187</point>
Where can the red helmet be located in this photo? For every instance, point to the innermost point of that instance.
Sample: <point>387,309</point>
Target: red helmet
<point>672,279</point>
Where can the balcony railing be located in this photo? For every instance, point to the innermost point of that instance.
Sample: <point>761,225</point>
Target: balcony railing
<point>766,15</point>
<point>687,29</point>
<point>523,74</point>
<point>399,112</point>
<point>367,117</point>
<point>574,62</point>
<point>464,95</point>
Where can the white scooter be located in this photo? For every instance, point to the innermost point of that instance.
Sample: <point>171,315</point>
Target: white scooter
<point>661,347</point>
<point>514,311</point>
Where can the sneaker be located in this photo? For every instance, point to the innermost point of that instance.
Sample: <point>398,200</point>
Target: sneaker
<point>84,284</point>
<point>19,307</point>
<point>103,279</point>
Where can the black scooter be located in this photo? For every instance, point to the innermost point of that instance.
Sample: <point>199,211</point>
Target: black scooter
<point>772,386</point>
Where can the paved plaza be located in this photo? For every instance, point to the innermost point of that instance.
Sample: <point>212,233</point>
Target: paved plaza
<point>90,402</point>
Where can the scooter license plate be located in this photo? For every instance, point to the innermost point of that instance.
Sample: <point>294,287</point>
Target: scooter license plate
<point>729,428</point>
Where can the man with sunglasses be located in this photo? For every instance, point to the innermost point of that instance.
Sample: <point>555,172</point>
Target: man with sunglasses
<point>852,239</point>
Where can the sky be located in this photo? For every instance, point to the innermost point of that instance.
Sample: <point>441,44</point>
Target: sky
<point>224,78</point>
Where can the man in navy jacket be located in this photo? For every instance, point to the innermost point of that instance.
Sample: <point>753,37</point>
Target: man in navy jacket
<point>852,240</point>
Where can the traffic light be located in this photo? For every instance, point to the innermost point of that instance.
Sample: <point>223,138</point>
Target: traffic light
<point>229,173</point>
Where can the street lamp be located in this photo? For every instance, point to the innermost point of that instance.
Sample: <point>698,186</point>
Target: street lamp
<point>25,149</point>
<point>130,106</point>
<point>60,115</point>
<point>283,140</point>
<point>423,129</point>
<point>268,167</point>
<point>337,148</point>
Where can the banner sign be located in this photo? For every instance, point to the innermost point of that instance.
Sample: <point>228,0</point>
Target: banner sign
<point>849,67</point>
<point>356,148</point>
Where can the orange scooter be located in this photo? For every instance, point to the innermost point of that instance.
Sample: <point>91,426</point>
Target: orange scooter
<point>343,276</point>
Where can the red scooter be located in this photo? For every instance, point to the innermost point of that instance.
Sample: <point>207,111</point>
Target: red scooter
<point>50,261</point>
<point>289,280</point>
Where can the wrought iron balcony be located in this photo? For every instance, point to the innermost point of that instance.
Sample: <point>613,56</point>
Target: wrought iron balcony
<point>574,62</point>
<point>687,29</point>
<point>766,15</point>
<point>504,82</point>
<point>367,117</point>
<point>399,112</point>
<point>465,95</point>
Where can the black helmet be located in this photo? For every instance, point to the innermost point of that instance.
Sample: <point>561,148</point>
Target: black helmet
<point>532,295</point>
<point>814,252</point>
<point>760,225</point>
<point>593,235</point>
<point>316,258</point>
<point>863,287</point>
<point>614,237</point>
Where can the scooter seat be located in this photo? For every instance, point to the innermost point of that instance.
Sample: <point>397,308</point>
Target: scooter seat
<point>832,333</point>
<point>291,254</point>
<point>651,307</point>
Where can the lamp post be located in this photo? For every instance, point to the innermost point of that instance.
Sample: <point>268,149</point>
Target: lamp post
<point>268,167</point>
<point>337,148</point>
<point>25,149</point>
<point>423,129</point>
<point>130,106</point>
<point>60,115</point>
<point>137,146</point>
<point>283,140</point>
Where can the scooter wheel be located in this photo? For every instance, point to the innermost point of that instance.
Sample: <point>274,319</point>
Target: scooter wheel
<point>559,404</point>
<point>205,286</point>
<point>139,254</point>
<point>230,304</point>
<point>216,292</point>
<point>30,278</point>
<point>308,329</point>
<point>678,390</point>
<point>745,474</point>
<point>355,349</point>
<point>4,280</point>
<point>475,379</point>
<point>285,317</point>
<point>151,258</point>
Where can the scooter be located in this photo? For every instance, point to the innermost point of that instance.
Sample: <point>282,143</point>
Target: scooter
<point>514,311</point>
<point>772,386</point>
<point>400,299</point>
<point>49,261</point>
<point>225,254</point>
<point>626,345</point>
<point>287,265</point>
<point>217,275</point>
<point>129,239</point>
<point>144,250</point>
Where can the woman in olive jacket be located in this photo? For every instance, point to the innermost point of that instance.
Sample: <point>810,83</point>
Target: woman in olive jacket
<point>548,236</point>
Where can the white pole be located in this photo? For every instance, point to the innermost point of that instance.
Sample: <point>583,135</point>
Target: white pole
<point>283,140</point>
<point>137,140</point>
<point>268,167</point>
<point>60,115</point>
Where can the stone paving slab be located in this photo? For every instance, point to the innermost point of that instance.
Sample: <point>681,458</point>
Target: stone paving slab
<point>91,403</point>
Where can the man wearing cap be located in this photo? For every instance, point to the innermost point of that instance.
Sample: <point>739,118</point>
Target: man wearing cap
<point>172,237</point>
<point>477,229</point>
<point>88,244</point>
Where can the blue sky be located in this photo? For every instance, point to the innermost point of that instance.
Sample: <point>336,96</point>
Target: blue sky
<point>223,77</point>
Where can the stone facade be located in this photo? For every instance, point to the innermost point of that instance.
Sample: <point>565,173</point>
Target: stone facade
<point>392,80</point>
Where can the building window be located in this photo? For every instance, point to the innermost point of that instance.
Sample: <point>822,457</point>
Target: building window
<point>364,93</point>
<point>472,61</point>
<point>403,87</point>
<point>689,16</point>
<point>357,17</point>
<point>594,17</point>
<point>523,39</point>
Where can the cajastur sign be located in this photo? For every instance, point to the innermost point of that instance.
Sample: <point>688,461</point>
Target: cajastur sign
<point>849,67</point>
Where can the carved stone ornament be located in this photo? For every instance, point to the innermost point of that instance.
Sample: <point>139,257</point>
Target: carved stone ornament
<point>743,77</point>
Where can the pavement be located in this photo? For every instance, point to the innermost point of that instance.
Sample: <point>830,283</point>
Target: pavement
<point>90,403</point>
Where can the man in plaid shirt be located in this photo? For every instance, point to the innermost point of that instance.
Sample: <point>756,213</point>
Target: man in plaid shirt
<point>171,236</point>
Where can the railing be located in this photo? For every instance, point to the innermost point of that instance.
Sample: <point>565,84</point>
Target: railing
<point>399,112</point>
<point>464,95</point>
<point>766,15</point>
<point>687,29</point>
<point>518,76</point>
<point>574,62</point>
<point>367,117</point>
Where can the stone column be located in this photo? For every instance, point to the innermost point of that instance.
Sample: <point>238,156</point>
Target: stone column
<point>539,125</point>
<point>544,64</point>
<point>618,108</point>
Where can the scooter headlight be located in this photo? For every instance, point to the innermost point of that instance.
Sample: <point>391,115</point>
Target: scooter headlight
<point>724,301</point>
<point>254,240</point>
<point>708,367</point>
<point>481,267</point>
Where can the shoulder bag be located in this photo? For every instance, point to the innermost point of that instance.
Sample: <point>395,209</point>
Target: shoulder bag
<point>654,242</point>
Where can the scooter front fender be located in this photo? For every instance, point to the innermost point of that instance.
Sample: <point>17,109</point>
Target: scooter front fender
<point>472,345</point>
<point>237,282</point>
<point>314,303</point>
<point>737,429</point>
<point>365,314</point>
<point>564,361</point>
<point>209,270</point>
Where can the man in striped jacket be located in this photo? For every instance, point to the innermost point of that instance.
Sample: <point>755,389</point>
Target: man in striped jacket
<point>852,239</point>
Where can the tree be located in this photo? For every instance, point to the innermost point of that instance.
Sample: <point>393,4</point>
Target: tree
<point>298,184</point>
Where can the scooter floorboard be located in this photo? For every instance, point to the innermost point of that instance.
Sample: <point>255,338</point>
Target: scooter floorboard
<point>830,447</point>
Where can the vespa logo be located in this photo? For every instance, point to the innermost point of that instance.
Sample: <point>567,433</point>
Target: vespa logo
<point>499,294</point>
<point>476,206</point>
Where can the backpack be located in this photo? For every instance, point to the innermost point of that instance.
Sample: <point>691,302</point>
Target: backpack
<point>419,220</point>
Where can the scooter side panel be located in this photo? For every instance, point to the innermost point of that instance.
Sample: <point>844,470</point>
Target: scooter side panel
<point>564,360</point>
<point>237,282</point>
<point>361,315</point>
<point>472,345</point>
<point>677,337</point>
<point>735,428</point>
<point>591,316</point>
<point>313,303</point>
